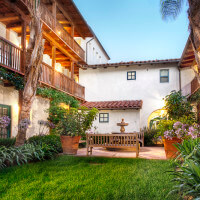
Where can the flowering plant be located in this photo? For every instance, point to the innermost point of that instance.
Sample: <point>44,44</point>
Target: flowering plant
<point>44,126</point>
<point>4,121</point>
<point>181,130</point>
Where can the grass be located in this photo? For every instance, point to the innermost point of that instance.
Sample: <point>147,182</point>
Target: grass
<point>69,177</point>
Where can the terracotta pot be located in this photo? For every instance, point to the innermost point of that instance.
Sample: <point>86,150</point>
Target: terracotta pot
<point>70,144</point>
<point>170,149</point>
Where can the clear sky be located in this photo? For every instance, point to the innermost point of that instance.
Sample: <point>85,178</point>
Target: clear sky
<point>133,30</point>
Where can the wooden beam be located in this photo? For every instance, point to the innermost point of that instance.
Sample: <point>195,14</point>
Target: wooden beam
<point>72,70</point>
<point>48,37</point>
<point>14,25</point>
<point>62,9</point>
<point>11,18</point>
<point>53,63</point>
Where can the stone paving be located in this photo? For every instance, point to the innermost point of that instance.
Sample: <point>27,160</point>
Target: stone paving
<point>145,152</point>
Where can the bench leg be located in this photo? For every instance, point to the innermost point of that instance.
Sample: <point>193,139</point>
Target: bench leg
<point>91,150</point>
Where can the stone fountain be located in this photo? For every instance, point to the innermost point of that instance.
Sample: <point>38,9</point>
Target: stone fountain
<point>122,125</point>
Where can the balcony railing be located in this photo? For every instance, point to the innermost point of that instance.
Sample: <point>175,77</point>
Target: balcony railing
<point>10,56</point>
<point>194,85</point>
<point>49,19</point>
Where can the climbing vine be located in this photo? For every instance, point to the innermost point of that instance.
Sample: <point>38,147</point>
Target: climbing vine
<point>15,79</point>
<point>57,97</point>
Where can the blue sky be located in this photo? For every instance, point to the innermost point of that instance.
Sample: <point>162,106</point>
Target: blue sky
<point>133,30</point>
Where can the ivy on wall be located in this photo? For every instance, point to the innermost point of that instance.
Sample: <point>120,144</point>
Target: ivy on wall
<point>57,97</point>
<point>15,79</point>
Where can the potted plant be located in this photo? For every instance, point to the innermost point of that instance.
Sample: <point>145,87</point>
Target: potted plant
<point>74,123</point>
<point>174,133</point>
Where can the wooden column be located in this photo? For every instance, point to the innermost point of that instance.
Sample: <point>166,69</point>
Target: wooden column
<point>72,70</point>
<point>53,64</point>
<point>54,12</point>
<point>23,46</point>
<point>72,76</point>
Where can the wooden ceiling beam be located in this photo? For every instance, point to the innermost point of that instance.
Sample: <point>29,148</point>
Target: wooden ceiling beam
<point>14,25</point>
<point>63,50</point>
<point>62,9</point>
<point>11,18</point>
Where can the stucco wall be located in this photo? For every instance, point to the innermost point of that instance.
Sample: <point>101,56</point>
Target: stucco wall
<point>9,96</point>
<point>112,84</point>
<point>115,116</point>
<point>95,54</point>
<point>187,75</point>
<point>38,112</point>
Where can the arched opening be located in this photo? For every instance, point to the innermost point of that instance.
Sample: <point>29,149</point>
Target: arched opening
<point>155,116</point>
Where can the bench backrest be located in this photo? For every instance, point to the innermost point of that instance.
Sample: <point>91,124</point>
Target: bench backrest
<point>112,140</point>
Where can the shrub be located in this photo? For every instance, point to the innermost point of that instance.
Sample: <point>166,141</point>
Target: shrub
<point>187,177</point>
<point>150,136</point>
<point>76,122</point>
<point>177,106</point>
<point>26,153</point>
<point>50,140</point>
<point>7,142</point>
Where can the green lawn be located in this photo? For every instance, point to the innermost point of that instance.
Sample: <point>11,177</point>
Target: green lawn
<point>88,178</point>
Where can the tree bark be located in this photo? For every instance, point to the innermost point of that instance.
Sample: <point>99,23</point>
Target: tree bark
<point>194,18</point>
<point>34,55</point>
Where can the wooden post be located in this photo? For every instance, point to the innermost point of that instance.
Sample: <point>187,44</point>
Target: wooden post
<point>54,13</point>
<point>72,76</point>
<point>53,64</point>
<point>137,146</point>
<point>23,46</point>
<point>87,143</point>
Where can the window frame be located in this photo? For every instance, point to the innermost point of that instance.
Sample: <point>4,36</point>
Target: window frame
<point>103,118</point>
<point>131,75</point>
<point>164,76</point>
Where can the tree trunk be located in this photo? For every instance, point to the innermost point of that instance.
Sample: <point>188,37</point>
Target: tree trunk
<point>34,55</point>
<point>194,18</point>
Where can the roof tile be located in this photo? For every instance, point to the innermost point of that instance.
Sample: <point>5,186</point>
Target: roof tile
<point>114,105</point>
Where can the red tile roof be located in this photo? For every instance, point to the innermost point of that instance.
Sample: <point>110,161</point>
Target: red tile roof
<point>133,63</point>
<point>114,105</point>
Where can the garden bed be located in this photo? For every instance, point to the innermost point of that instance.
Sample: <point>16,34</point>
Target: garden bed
<point>69,177</point>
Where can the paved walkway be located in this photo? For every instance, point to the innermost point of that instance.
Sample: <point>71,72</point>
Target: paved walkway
<point>145,152</point>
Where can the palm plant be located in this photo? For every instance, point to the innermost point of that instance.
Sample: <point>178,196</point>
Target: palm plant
<point>172,8</point>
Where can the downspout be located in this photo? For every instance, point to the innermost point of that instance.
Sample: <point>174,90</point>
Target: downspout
<point>87,49</point>
<point>179,78</point>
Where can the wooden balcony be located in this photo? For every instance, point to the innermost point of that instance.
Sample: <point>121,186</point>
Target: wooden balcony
<point>56,30</point>
<point>10,57</point>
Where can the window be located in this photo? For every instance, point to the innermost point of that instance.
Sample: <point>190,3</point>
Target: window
<point>131,75</point>
<point>164,75</point>
<point>103,117</point>
<point>5,111</point>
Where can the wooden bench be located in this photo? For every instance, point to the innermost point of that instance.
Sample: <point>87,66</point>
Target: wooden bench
<point>140,136</point>
<point>130,140</point>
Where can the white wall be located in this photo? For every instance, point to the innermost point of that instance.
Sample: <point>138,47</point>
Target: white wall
<point>111,84</point>
<point>115,116</point>
<point>10,97</point>
<point>187,75</point>
<point>95,54</point>
<point>38,112</point>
